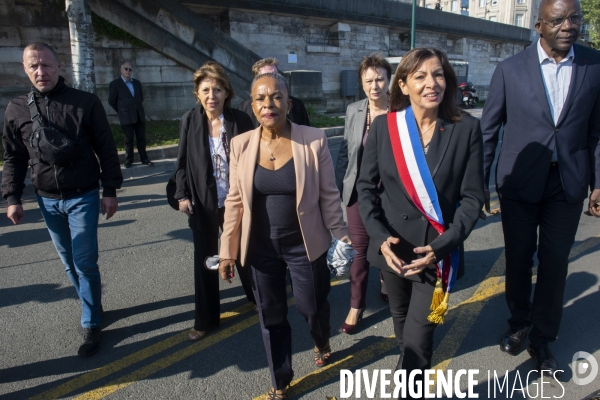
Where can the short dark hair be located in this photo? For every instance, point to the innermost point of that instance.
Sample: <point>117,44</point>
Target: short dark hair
<point>214,70</point>
<point>410,62</point>
<point>38,46</point>
<point>374,61</point>
<point>263,63</point>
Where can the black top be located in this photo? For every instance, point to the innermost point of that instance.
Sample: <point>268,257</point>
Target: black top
<point>274,203</point>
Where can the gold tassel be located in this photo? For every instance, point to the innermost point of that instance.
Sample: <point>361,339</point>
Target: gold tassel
<point>438,295</point>
<point>437,315</point>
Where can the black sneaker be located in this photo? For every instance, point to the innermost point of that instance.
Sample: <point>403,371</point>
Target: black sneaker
<point>148,163</point>
<point>127,164</point>
<point>91,341</point>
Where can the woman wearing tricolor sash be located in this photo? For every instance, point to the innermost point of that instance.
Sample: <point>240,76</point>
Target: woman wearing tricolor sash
<point>420,191</point>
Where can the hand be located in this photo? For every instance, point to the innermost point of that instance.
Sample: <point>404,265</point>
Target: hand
<point>594,204</point>
<point>227,270</point>
<point>419,264</point>
<point>346,239</point>
<point>109,206</point>
<point>185,207</point>
<point>15,213</point>
<point>390,258</point>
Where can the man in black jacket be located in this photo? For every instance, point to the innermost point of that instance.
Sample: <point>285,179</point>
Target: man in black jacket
<point>68,195</point>
<point>297,114</point>
<point>125,96</point>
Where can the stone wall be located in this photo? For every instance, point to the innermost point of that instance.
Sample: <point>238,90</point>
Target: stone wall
<point>331,47</point>
<point>167,85</point>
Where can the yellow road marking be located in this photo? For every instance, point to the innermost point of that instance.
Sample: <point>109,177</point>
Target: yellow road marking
<point>115,366</point>
<point>317,377</point>
<point>468,312</point>
<point>165,362</point>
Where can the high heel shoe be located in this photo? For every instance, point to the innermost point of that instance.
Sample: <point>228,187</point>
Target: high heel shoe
<point>349,328</point>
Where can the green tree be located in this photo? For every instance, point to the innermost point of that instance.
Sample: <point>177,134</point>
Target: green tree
<point>591,17</point>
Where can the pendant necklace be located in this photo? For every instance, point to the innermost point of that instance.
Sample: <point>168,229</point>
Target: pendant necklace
<point>273,152</point>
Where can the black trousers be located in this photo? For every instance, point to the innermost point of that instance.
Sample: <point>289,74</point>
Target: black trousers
<point>409,305</point>
<point>207,312</point>
<point>139,130</point>
<point>269,259</point>
<point>557,221</point>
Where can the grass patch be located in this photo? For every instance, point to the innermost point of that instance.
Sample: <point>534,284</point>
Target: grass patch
<point>158,133</point>
<point>323,121</point>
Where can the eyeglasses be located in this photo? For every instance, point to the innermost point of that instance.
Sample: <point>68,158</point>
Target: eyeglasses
<point>556,22</point>
<point>128,69</point>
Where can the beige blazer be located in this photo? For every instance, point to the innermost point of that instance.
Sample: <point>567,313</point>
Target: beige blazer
<point>318,200</point>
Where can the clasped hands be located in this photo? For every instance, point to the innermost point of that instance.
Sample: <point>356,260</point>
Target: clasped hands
<point>406,269</point>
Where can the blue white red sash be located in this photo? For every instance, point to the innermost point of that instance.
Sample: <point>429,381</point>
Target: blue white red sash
<point>418,182</point>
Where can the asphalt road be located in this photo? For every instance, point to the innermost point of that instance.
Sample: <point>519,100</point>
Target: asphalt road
<point>146,258</point>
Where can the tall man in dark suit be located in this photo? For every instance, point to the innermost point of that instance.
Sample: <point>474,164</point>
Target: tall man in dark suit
<point>548,99</point>
<point>125,96</point>
<point>297,114</point>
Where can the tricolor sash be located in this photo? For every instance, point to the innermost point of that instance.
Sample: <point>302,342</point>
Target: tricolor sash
<point>418,182</point>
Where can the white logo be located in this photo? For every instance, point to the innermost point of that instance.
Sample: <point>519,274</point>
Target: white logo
<point>589,365</point>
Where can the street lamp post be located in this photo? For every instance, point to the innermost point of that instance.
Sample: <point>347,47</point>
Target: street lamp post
<point>413,25</point>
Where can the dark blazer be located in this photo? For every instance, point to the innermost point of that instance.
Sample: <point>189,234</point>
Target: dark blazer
<point>128,107</point>
<point>346,165</point>
<point>455,159</point>
<point>194,174</point>
<point>297,114</point>
<point>518,101</point>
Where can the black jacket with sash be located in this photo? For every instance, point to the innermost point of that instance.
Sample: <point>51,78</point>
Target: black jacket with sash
<point>455,160</point>
<point>194,174</point>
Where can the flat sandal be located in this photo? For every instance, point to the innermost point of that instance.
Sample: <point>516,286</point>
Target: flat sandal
<point>273,395</point>
<point>195,335</point>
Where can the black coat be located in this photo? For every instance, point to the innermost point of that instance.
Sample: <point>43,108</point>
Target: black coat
<point>455,159</point>
<point>194,174</point>
<point>129,107</point>
<point>297,114</point>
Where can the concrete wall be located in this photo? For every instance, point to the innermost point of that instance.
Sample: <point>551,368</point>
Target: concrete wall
<point>331,47</point>
<point>167,85</point>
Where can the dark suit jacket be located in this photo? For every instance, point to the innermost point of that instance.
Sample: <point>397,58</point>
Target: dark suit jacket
<point>518,101</point>
<point>194,174</point>
<point>455,159</point>
<point>297,114</point>
<point>128,107</point>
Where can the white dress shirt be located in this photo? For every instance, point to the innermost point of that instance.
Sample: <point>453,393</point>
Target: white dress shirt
<point>557,80</point>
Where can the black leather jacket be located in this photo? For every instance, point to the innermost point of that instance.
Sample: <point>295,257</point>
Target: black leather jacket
<point>79,115</point>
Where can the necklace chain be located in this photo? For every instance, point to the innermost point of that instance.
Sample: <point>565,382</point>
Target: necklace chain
<point>275,149</point>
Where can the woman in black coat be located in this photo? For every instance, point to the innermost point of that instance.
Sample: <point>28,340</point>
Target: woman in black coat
<point>408,244</point>
<point>203,182</point>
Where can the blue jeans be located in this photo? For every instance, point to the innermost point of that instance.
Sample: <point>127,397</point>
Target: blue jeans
<point>73,226</point>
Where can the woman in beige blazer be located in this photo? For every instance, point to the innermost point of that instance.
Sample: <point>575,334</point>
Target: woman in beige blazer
<point>282,209</point>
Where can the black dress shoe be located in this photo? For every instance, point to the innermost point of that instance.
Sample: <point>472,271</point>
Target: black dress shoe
<point>148,163</point>
<point>512,340</point>
<point>544,360</point>
<point>127,164</point>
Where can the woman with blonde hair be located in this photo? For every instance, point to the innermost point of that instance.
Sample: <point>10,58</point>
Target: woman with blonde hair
<point>203,183</point>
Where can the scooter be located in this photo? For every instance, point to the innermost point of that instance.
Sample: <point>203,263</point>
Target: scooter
<point>469,95</point>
